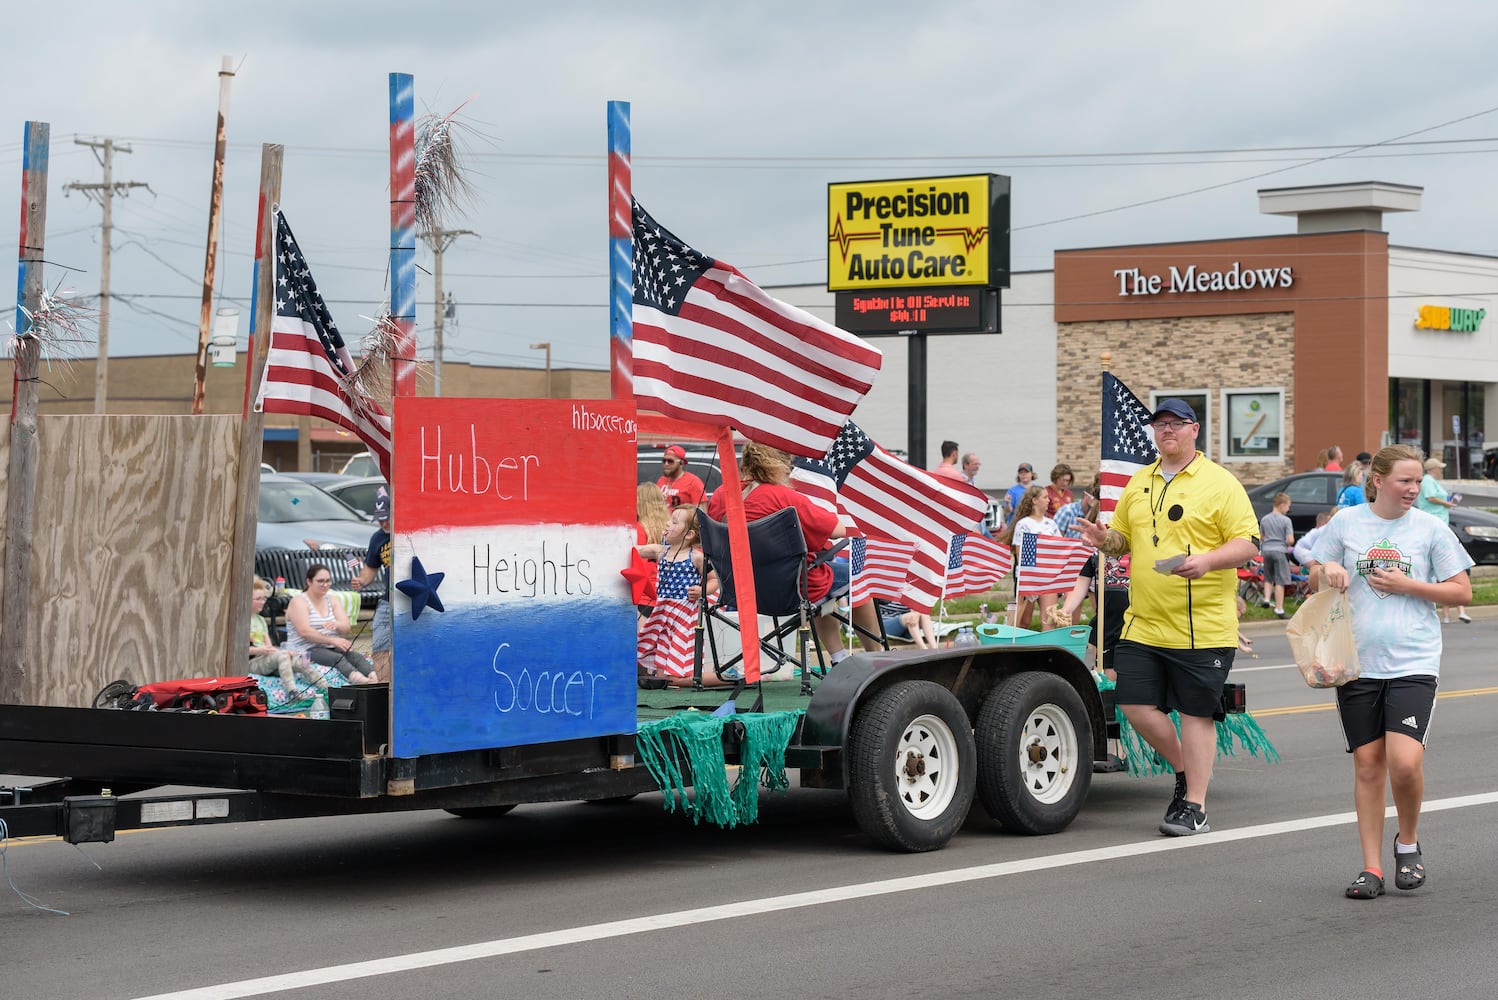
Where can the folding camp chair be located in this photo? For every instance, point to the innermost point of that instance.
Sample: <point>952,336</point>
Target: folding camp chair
<point>777,550</point>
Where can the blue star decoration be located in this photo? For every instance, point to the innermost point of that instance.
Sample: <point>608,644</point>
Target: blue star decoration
<point>422,589</point>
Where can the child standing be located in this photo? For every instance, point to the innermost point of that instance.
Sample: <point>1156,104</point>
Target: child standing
<point>1276,538</point>
<point>668,637</point>
<point>1395,564</point>
<point>1030,519</point>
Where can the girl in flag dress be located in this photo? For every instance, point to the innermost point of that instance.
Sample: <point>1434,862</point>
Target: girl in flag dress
<point>1030,519</point>
<point>668,637</point>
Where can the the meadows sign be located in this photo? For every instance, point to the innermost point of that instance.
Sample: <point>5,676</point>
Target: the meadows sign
<point>1192,279</point>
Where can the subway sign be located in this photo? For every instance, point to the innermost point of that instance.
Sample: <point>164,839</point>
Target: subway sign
<point>1446,318</point>
<point>918,232</point>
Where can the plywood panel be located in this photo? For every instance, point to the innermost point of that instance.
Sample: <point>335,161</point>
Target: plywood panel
<point>132,544</point>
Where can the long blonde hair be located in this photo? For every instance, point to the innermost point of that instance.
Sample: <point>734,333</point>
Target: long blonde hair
<point>1383,465</point>
<point>651,511</point>
<point>1025,508</point>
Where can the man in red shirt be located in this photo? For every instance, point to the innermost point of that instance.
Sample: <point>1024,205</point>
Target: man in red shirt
<point>678,485</point>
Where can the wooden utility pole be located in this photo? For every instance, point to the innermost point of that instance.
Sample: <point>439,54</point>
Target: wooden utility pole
<point>439,240</point>
<point>21,475</point>
<point>252,429</point>
<point>105,192</point>
<point>215,210</point>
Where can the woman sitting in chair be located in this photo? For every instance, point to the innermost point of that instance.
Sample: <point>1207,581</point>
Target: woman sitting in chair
<point>318,626</point>
<point>766,476</point>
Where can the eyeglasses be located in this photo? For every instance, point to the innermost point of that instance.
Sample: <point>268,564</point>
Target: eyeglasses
<point>1170,425</point>
<point>323,579</point>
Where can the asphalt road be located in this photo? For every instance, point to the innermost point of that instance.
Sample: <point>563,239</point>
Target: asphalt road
<point>586,901</point>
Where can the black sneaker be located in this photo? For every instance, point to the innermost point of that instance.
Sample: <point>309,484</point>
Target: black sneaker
<point>1184,822</point>
<point>1179,798</point>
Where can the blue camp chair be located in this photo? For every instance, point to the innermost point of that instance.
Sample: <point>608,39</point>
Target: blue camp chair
<point>777,550</point>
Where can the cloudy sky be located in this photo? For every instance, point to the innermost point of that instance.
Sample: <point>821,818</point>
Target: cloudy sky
<point>1118,122</point>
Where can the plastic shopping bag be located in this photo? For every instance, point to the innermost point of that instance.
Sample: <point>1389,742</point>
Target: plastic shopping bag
<point>1321,640</point>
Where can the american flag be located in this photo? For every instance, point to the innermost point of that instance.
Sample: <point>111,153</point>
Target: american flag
<point>668,639</point>
<point>878,568</point>
<point>1049,564</point>
<point>710,346</point>
<point>1127,444</point>
<point>974,565</point>
<point>307,363</point>
<point>890,498</point>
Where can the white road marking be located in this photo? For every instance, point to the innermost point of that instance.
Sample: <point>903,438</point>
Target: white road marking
<point>1249,670</point>
<point>770,904</point>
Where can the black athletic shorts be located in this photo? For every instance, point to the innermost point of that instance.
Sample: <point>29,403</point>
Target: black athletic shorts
<point>1188,681</point>
<point>1370,707</point>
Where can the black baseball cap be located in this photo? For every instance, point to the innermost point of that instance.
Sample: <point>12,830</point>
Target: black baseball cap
<point>1174,407</point>
<point>1364,457</point>
<point>1024,467</point>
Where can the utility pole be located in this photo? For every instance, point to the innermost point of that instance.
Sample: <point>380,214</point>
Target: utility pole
<point>215,210</point>
<point>439,240</point>
<point>105,192</point>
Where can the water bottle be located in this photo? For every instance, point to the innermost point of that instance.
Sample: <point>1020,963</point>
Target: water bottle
<point>319,706</point>
<point>965,637</point>
<point>280,583</point>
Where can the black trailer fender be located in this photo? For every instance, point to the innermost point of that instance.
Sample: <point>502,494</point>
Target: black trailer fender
<point>970,673</point>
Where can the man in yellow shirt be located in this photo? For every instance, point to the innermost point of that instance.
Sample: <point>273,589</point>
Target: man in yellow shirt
<point>1187,523</point>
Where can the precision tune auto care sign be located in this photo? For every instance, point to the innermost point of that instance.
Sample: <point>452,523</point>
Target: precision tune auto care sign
<point>922,232</point>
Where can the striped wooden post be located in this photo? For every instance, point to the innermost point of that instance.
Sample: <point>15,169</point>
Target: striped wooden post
<point>621,255</point>
<point>15,596</point>
<point>403,229</point>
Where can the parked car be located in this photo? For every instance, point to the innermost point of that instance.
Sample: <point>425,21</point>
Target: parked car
<point>360,464</point>
<point>1311,493</point>
<point>298,525</point>
<point>358,493</point>
<point>322,480</point>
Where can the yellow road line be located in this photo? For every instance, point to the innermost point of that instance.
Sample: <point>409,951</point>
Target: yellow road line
<point>1328,706</point>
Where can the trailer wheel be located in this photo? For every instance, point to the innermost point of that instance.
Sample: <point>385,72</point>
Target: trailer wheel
<point>1034,753</point>
<point>911,766</point>
<point>481,812</point>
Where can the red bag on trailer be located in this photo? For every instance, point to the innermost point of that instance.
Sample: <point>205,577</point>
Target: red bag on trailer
<point>226,695</point>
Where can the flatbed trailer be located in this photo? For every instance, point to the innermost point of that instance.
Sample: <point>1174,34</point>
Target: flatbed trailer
<point>912,736</point>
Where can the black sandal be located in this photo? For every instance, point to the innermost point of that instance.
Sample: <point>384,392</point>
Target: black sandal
<point>1410,873</point>
<point>1366,886</point>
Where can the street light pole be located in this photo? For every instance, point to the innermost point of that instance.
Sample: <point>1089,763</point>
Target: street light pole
<point>545,346</point>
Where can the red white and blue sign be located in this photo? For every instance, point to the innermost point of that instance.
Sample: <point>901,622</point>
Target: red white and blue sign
<point>512,521</point>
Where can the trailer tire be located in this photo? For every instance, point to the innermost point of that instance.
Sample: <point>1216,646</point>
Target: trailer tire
<point>1034,740</point>
<point>911,766</point>
<point>481,812</point>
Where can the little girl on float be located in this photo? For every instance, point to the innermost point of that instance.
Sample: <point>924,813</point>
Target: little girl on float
<point>668,638</point>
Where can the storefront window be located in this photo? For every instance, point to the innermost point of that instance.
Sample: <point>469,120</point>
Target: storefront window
<point>1408,411</point>
<point>1461,431</point>
<point>1254,420</point>
<point>1197,399</point>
